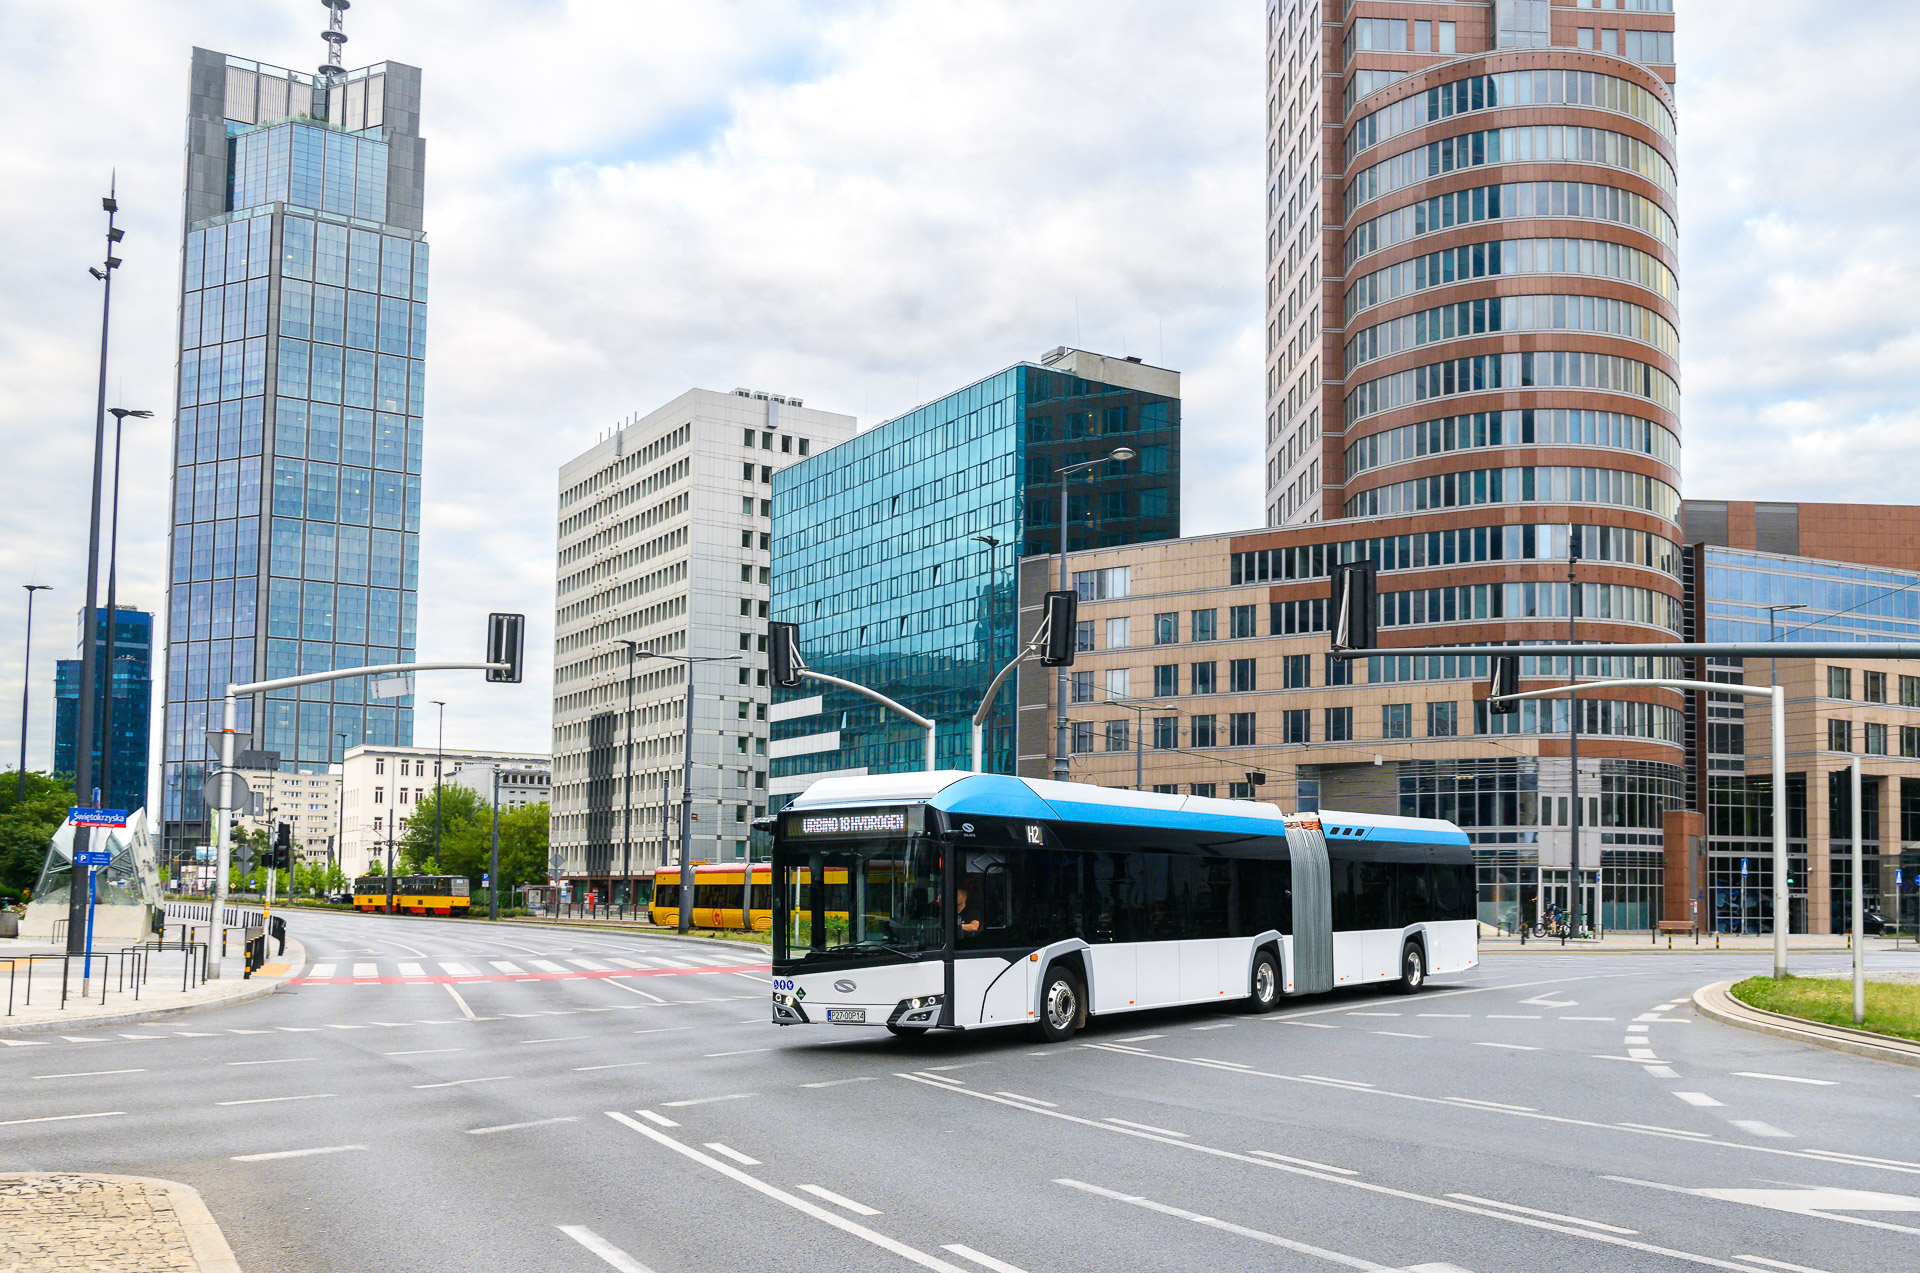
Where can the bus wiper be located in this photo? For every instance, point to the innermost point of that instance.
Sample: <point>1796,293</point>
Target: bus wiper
<point>875,945</point>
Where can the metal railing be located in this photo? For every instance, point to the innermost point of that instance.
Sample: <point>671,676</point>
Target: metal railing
<point>122,971</point>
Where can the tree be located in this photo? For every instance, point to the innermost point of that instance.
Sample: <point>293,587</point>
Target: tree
<point>27,826</point>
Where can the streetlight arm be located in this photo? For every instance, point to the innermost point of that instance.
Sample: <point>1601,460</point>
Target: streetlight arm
<point>1713,687</point>
<point>875,695</point>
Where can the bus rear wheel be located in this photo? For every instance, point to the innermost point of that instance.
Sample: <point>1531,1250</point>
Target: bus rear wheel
<point>1061,1005</point>
<point>1265,996</point>
<point>1413,969</point>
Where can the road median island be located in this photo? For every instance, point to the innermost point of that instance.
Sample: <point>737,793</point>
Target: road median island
<point>66,1221</point>
<point>1819,1010</point>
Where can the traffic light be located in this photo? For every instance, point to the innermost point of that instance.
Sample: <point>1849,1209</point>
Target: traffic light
<point>1352,616</point>
<point>281,858</point>
<point>1063,610</point>
<point>783,654</point>
<point>506,643</point>
<point>1506,681</point>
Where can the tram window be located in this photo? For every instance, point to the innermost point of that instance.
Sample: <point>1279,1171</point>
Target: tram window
<point>666,895</point>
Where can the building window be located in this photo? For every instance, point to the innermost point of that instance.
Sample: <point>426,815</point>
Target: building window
<point>1166,788</point>
<point>1650,46</point>
<point>1873,687</point>
<point>1166,630</point>
<point>1521,23</point>
<point>746,471</point>
<point>1241,621</point>
<point>1839,735</point>
<point>1082,735</point>
<point>1294,727</point>
<point>1910,741</point>
<point>1117,682</point>
<point>1240,675</point>
<point>1103,585</point>
<point>1910,691</point>
<point>379,795</point>
<point>1240,729</point>
<point>747,439</point>
<point>1201,789</point>
<point>1083,635</point>
<point>1117,739</point>
<point>1203,679</point>
<point>1200,731</point>
<point>1839,682</point>
<point>1339,671</point>
<point>1239,791</point>
<point>1876,738</point>
<point>1117,634</point>
<point>379,764</point>
<point>1296,671</point>
<point>1202,629</point>
<point>1083,687</point>
<point>1339,724</point>
<point>1396,720</point>
<point>1166,680</point>
<point>804,445</point>
<point>1443,720</point>
<point>1166,735</point>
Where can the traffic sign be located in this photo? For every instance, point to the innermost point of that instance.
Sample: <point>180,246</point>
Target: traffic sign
<point>97,817</point>
<point>246,802</point>
<point>93,857</point>
<point>485,879</point>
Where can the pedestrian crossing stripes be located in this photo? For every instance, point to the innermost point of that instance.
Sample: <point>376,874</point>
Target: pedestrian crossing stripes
<point>330,972</point>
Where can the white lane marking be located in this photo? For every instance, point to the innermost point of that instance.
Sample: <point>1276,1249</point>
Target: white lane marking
<point>858,1208</point>
<point>708,1100</point>
<point>501,965</point>
<point>41,1043</point>
<point>1218,1025</point>
<point>618,1065</point>
<point>60,1118</point>
<point>1400,1034</point>
<point>1518,1109</point>
<point>1821,1201</point>
<point>1031,1100</point>
<point>659,1119</point>
<point>282,1060</point>
<point>1311,1025</point>
<point>547,965</point>
<point>1545,1215</point>
<point>1783,1078</point>
<point>320,970</point>
<point>1585,1018</point>
<point>81,1038</point>
<point>1321,1078</point>
<point>664,1029</point>
<point>366,970</point>
<point>1511,1047</point>
<point>797,1203</point>
<point>412,970</point>
<point>289,1029</point>
<point>1271,1239</point>
<point>1513,1016</point>
<point>560,1038</point>
<point>1778,1264</point>
<point>741,1052</point>
<point>87,1074</point>
<point>269,1100</point>
<point>1443,1014</point>
<point>606,1250</point>
<point>864,1078</point>
<point>1662,1071</point>
<point>1139,1038</point>
<point>296,1153</point>
<point>340,1027</point>
<point>1841,1155</point>
<point>1668,1131</point>
<point>1642,1054</point>
<point>727,1151</point>
<point>1305,1162</point>
<point>423,1051</point>
<point>1374,1014</point>
<point>1145,1127</point>
<point>193,1034</point>
<point>497,1078</point>
<point>230,1030</point>
<point>514,1127</point>
<point>465,1011</point>
<point>1758,1128</point>
<point>1697,1098</point>
<point>941,1078</point>
<point>457,969</point>
<point>754,976</point>
<point>621,985</point>
<point>588,964</point>
<point>1636,1029</point>
<point>1242,1065</point>
<point>984,1261</point>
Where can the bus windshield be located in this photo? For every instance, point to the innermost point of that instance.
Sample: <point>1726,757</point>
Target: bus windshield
<point>861,897</point>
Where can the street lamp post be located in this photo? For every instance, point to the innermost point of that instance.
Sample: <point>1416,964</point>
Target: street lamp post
<point>26,687</point>
<point>1119,454</point>
<point>340,814</point>
<point>626,802</point>
<point>1139,735</point>
<point>1578,899</point>
<point>439,763</point>
<point>1773,678</point>
<point>993,546</point>
<point>120,415</point>
<point>686,780</point>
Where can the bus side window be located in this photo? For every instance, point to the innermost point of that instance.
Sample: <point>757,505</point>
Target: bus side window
<point>1410,898</point>
<point>996,897</point>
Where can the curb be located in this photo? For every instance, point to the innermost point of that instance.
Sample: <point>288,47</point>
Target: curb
<point>588,926</point>
<point>1550,946</point>
<point>205,1242</point>
<point>1714,1001</point>
<point>254,991</point>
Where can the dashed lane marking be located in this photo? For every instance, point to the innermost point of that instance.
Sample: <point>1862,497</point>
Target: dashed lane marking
<point>296,1153</point>
<point>709,1100</point>
<point>1146,1127</point>
<point>607,1251</point>
<point>838,1200</point>
<point>657,1119</point>
<point>1511,1047</point>
<point>984,1261</point>
<point>497,1078</point>
<point>1755,1127</point>
<point>87,1074</point>
<point>1784,1078</point>
<point>617,1065</point>
<point>278,1060</point>
<point>1305,1162</point>
<point>729,1152</point>
<point>1697,1098</point>
<point>1031,1100</point>
<point>1545,1215</point>
<point>270,1100</point>
<point>60,1118</point>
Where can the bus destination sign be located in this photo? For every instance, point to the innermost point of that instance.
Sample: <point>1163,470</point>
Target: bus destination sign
<point>845,823</point>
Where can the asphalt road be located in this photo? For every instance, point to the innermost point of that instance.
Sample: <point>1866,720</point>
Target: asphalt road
<point>1548,1111</point>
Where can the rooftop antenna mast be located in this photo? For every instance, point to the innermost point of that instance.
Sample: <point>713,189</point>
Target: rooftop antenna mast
<point>331,72</point>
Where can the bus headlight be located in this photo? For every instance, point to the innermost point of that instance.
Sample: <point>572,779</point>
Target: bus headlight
<point>922,1010</point>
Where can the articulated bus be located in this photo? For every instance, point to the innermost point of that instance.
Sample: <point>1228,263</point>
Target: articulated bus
<point>716,896</point>
<point>960,901</point>
<point>413,894</point>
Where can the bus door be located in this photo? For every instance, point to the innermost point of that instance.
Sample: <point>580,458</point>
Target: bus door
<point>1312,907</point>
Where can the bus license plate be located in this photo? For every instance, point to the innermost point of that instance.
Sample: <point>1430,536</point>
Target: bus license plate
<point>852,1016</point>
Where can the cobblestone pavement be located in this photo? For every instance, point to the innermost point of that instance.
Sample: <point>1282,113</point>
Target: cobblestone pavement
<point>93,1224</point>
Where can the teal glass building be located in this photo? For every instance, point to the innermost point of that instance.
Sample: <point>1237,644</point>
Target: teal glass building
<point>879,552</point>
<point>131,686</point>
<point>298,436</point>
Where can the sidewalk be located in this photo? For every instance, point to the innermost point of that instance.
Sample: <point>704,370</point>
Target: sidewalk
<point>58,1222</point>
<point>1619,943</point>
<point>647,927</point>
<point>1714,1001</point>
<point>160,995</point>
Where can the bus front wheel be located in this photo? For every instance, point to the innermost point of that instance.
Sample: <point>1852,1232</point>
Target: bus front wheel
<point>1061,1005</point>
<point>1413,969</point>
<point>1266,983</point>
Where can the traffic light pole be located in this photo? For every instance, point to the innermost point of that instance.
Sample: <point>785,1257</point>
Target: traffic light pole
<point>223,815</point>
<point>884,701</point>
<point>985,709</point>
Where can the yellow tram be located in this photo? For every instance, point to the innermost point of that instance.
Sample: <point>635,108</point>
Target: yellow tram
<point>716,896</point>
<point>415,894</point>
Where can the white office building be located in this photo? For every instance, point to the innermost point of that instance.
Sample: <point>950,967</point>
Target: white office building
<point>664,537</point>
<point>384,785</point>
<point>309,803</point>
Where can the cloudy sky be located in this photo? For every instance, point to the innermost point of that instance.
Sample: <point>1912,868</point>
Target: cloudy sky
<point>868,204</point>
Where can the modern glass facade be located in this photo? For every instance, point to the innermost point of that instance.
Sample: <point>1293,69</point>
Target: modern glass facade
<point>296,515</point>
<point>875,553</point>
<point>126,786</point>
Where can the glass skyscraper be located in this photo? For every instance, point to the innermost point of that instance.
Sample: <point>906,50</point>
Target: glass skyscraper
<point>298,433</point>
<point>877,552</point>
<point>132,683</point>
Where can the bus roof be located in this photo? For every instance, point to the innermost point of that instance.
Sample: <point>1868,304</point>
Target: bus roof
<point>958,792</point>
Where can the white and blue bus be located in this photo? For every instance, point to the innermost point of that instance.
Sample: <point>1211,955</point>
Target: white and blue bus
<point>962,901</point>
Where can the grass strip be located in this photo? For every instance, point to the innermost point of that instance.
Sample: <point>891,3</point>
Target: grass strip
<point>1892,1008</point>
